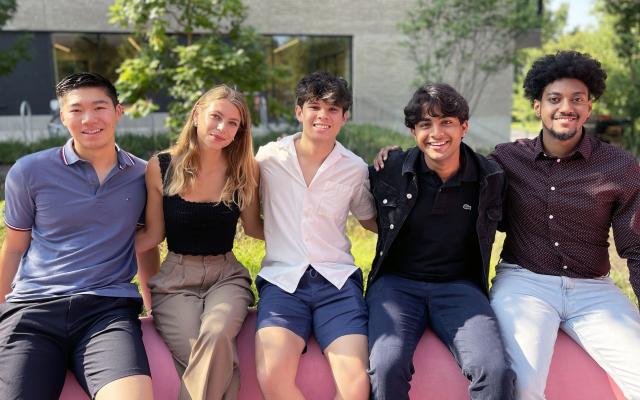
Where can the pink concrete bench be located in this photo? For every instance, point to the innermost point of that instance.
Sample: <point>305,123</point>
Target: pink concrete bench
<point>573,375</point>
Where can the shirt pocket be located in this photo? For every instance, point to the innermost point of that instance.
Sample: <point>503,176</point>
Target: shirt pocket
<point>334,201</point>
<point>388,200</point>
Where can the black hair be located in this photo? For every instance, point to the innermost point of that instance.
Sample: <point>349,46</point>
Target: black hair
<point>86,79</point>
<point>565,64</point>
<point>436,100</point>
<point>324,86</point>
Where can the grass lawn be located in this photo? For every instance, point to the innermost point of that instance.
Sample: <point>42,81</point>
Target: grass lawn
<point>250,252</point>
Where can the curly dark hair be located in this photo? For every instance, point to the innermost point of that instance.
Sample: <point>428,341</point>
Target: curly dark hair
<point>437,100</point>
<point>86,79</point>
<point>324,86</point>
<point>565,64</point>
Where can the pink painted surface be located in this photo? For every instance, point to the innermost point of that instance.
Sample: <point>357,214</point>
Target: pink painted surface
<point>573,375</point>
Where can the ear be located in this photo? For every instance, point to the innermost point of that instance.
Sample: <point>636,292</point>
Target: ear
<point>536,107</point>
<point>465,128</point>
<point>413,132</point>
<point>62,118</point>
<point>299,113</point>
<point>590,108</point>
<point>119,112</point>
<point>345,117</point>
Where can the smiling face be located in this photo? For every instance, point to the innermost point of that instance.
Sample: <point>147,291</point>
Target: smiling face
<point>321,120</point>
<point>217,124</point>
<point>563,109</point>
<point>439,139</point>
<point>91,117</point>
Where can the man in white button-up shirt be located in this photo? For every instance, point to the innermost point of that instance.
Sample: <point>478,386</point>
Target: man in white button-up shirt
<point>308,280</point>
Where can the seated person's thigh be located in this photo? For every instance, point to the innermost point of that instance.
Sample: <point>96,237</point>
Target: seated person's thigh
<point>108,342</point>
<point>280,309</point>
<point>33,349</point>
<point>340,312</point>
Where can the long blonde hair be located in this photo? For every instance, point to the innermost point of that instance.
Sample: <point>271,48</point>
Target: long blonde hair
<point>241,183</point>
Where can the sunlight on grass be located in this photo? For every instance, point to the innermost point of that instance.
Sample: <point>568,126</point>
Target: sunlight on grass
<point>363,243</point>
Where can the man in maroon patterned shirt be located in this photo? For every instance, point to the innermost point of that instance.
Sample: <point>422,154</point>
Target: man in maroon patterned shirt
<point>566,190</point>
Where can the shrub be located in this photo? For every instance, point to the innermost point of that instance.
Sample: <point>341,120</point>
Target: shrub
<point>142,146</point>
<point>363,139</point>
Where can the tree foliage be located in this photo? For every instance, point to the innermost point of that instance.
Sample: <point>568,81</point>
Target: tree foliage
<point>606,43</point>
<point>464,42</point>
<point>11,56</point>
<point>626,25</point>
<point>185,48</point>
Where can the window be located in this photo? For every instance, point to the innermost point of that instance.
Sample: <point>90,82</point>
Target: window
<point>92,52</point>
<point>291,57</point>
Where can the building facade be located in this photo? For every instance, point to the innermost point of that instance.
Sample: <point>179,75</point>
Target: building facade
<point>357,39</point>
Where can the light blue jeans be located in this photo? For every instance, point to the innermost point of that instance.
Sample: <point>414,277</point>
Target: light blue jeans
<point>531,307</point>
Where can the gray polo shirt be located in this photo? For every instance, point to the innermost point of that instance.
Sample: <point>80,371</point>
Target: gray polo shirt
<point>82,232</point>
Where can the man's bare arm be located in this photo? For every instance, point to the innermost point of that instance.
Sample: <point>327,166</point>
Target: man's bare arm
<point>14,246</point>
<point>369,224</point>
<point>148,266</point>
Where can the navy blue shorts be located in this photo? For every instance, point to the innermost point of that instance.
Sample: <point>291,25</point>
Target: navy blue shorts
<point>98,338</point>
<point>317,304</point>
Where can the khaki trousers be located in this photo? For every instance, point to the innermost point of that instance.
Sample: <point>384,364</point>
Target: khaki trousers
<point>199,305</point>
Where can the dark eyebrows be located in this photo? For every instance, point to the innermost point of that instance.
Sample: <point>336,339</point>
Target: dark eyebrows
<point>572,94</point>
<point>95,103</point>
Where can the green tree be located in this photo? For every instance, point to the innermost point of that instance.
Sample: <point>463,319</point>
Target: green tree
<point>626,25</point>
<point>466,42</point>
<point>622,97</point>
<point>551,30</point>
<point>185,47</point>
<point>11,56</point>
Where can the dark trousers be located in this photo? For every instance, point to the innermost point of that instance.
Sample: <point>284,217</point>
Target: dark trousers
<point>459,314</point>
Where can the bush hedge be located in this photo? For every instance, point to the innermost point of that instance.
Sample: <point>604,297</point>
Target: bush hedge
<point>364,140</point>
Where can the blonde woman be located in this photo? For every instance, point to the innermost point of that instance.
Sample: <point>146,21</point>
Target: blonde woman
<point>197,190</point>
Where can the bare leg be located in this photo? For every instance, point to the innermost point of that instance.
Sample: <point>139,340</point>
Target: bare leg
<point>277,356</point>
<point>348,357</point>
<point>135,387</point>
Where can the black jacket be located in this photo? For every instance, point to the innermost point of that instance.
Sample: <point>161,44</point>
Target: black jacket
<point>395,190</point>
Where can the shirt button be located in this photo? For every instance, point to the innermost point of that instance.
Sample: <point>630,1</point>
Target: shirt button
<point>556,244</point>
<point>409,196</point>
<point>558,160</point>
<point>384,201</point>
<point>381,252</point>
<point>550,216</point>
<point>391,226</point>
<point>553,188</point>
<point>564,267</point>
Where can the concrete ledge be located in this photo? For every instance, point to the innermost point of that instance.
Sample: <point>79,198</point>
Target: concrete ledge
<point>573,374</point>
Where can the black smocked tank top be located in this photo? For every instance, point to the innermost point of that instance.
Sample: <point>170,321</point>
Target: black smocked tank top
<point>194,228</point>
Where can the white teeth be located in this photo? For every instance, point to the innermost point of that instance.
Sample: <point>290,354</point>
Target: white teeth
<point>321,126</point>
<point>93,132</point>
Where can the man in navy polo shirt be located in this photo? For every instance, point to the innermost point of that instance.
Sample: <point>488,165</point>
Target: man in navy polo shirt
<point>71,215</point>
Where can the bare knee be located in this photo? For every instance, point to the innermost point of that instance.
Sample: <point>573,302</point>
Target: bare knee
<point>135,387</point>
<point>358,387</point>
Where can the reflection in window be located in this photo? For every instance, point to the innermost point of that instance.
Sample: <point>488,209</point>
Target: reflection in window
<point>291,57</point>
<point>92,52</point>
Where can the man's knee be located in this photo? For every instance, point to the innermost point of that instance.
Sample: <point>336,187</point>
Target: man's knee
<point>494,378</point>
<point>390,370</point>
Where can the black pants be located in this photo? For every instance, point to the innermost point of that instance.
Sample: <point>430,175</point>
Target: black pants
<point>98,338</point>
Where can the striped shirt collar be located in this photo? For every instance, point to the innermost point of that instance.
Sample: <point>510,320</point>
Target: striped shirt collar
<point>69,156</point>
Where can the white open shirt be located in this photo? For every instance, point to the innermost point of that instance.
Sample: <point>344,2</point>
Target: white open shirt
<point>306,225</point>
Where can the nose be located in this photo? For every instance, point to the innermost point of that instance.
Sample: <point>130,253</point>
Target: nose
<point>87,116</point>
<point>566,105</point>
<point>436,129</point>
<point>220,125</point>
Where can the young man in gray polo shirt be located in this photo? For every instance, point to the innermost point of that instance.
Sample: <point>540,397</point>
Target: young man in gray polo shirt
<point>71,215</point>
